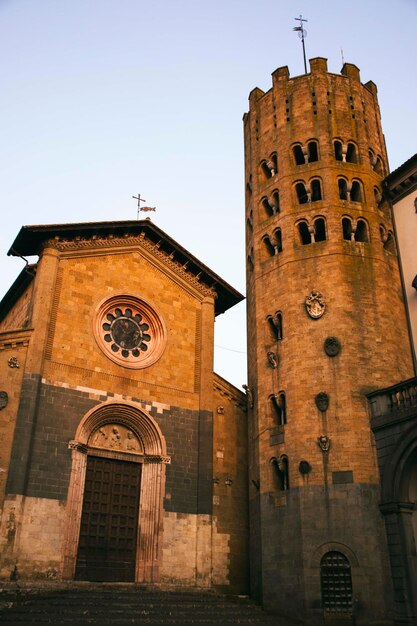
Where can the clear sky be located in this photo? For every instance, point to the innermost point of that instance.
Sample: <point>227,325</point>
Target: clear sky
<point>102,99</point>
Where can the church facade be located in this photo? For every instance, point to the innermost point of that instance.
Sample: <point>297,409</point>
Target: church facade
<point>120,444</point>
<point>124,456</point>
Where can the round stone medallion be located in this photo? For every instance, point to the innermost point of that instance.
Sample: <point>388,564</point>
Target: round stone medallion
<point>130,331</point>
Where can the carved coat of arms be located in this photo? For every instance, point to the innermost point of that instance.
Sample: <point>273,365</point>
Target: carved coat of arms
<point>315,304</point>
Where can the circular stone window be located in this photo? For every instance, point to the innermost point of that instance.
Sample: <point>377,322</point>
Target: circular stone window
<point>129,331</point>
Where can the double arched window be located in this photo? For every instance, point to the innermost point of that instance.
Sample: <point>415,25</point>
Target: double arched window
<point>273,243</point>
<point>275,326</point>
<point>350,191</point>
<point>269,167</point>
<point>355,230</point>
<point>345,152</point>
<point>311,232</point>
<point>306,154</point>
<point>271,205</point>
<point>310,192</point>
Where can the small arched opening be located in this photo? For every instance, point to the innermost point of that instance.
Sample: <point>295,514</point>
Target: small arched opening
<point>343,188</point>
<point>320,229</point>
<point>356,192</point>
<point>298,153</point>
<point>313,151</point>
<point>316,190</point>
<point>361,232</point>
<point>304,234</point>
<point>302,194</point>
<point>347,229</point>
<point>351,153</point>
<point>338,150</point>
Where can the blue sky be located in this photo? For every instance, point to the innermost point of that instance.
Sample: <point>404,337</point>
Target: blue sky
<point>104,99</point>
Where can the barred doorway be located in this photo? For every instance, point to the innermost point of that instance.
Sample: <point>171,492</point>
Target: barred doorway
<point>109,521</point>
<point>336,589</point>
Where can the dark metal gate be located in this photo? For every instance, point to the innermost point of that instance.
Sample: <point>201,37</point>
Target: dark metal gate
<point>109,521</point>
<point>336,585</point>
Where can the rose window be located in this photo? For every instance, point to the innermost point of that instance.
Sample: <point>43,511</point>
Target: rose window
<point>126,332</point>
<point>129,331</point>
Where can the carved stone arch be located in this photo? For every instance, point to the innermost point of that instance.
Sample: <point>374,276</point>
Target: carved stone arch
<point>153,458</point>
<point>394,486</point>
<point>332,546</point>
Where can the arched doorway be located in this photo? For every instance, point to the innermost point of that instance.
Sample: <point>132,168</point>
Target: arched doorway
<point>114,520</point>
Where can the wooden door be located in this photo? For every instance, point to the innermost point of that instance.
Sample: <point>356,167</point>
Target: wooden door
<point>109,521</point>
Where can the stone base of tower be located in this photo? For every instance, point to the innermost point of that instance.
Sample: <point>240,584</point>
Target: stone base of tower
<point>320,557</point>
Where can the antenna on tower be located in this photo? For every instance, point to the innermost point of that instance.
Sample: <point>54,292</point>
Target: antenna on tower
<point>302,33</point>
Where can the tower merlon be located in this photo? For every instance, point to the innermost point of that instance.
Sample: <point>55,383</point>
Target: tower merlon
<point>318,64</point>
<point>351,71</point>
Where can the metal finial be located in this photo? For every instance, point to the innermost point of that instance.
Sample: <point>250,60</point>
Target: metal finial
<point>302,35</point>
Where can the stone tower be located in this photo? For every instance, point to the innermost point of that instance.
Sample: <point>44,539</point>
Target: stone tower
<point>326,325</point>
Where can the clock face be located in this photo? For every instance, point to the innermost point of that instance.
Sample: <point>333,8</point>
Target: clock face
<point>129,331</point>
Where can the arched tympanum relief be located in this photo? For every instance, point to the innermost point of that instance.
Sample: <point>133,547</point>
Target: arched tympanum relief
<point>124,432</point>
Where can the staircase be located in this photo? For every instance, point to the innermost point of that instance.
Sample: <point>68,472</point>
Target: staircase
<point>119,604</point>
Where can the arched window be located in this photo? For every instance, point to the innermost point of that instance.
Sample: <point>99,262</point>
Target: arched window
<point>249,223</point>
<point>249,185</point>
<point>278,324</point>
<point>377,196</point>
<point>338,150</point>
<point>347,229</point>
<point>343,189</point>
<point>250,260</point>
<point>336,583</point>
<point>387,238</point>
<point>302,193</point>
<point>313,151</point>
<point>298,155</point>
<point>275,326</point>
<point>267,168</point>
<point>315,190</point>
<point>351,153</point>
<point>275,201</point>
<point>267,207</point>
<point>280,472</point>
<point>356,192</point>
<point>320,229</point>
<point>304,233</point>
<point>269,247</point>
<point>378,166</point>
<point>278,240</point>
<point>372,159</point>
<point>361,232</point>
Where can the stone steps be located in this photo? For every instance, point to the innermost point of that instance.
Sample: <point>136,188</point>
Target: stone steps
<point>120,605</point>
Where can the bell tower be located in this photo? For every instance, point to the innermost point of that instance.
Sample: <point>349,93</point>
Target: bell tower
<point>326,325</point>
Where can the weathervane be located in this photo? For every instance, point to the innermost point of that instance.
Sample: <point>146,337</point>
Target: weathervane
<point>142,208</point>
<point>302,35</point>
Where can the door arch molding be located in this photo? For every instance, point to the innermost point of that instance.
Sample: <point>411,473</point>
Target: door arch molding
<point>153,457</point>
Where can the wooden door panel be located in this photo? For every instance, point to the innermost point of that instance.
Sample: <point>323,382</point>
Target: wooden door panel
<point>109,521</point>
